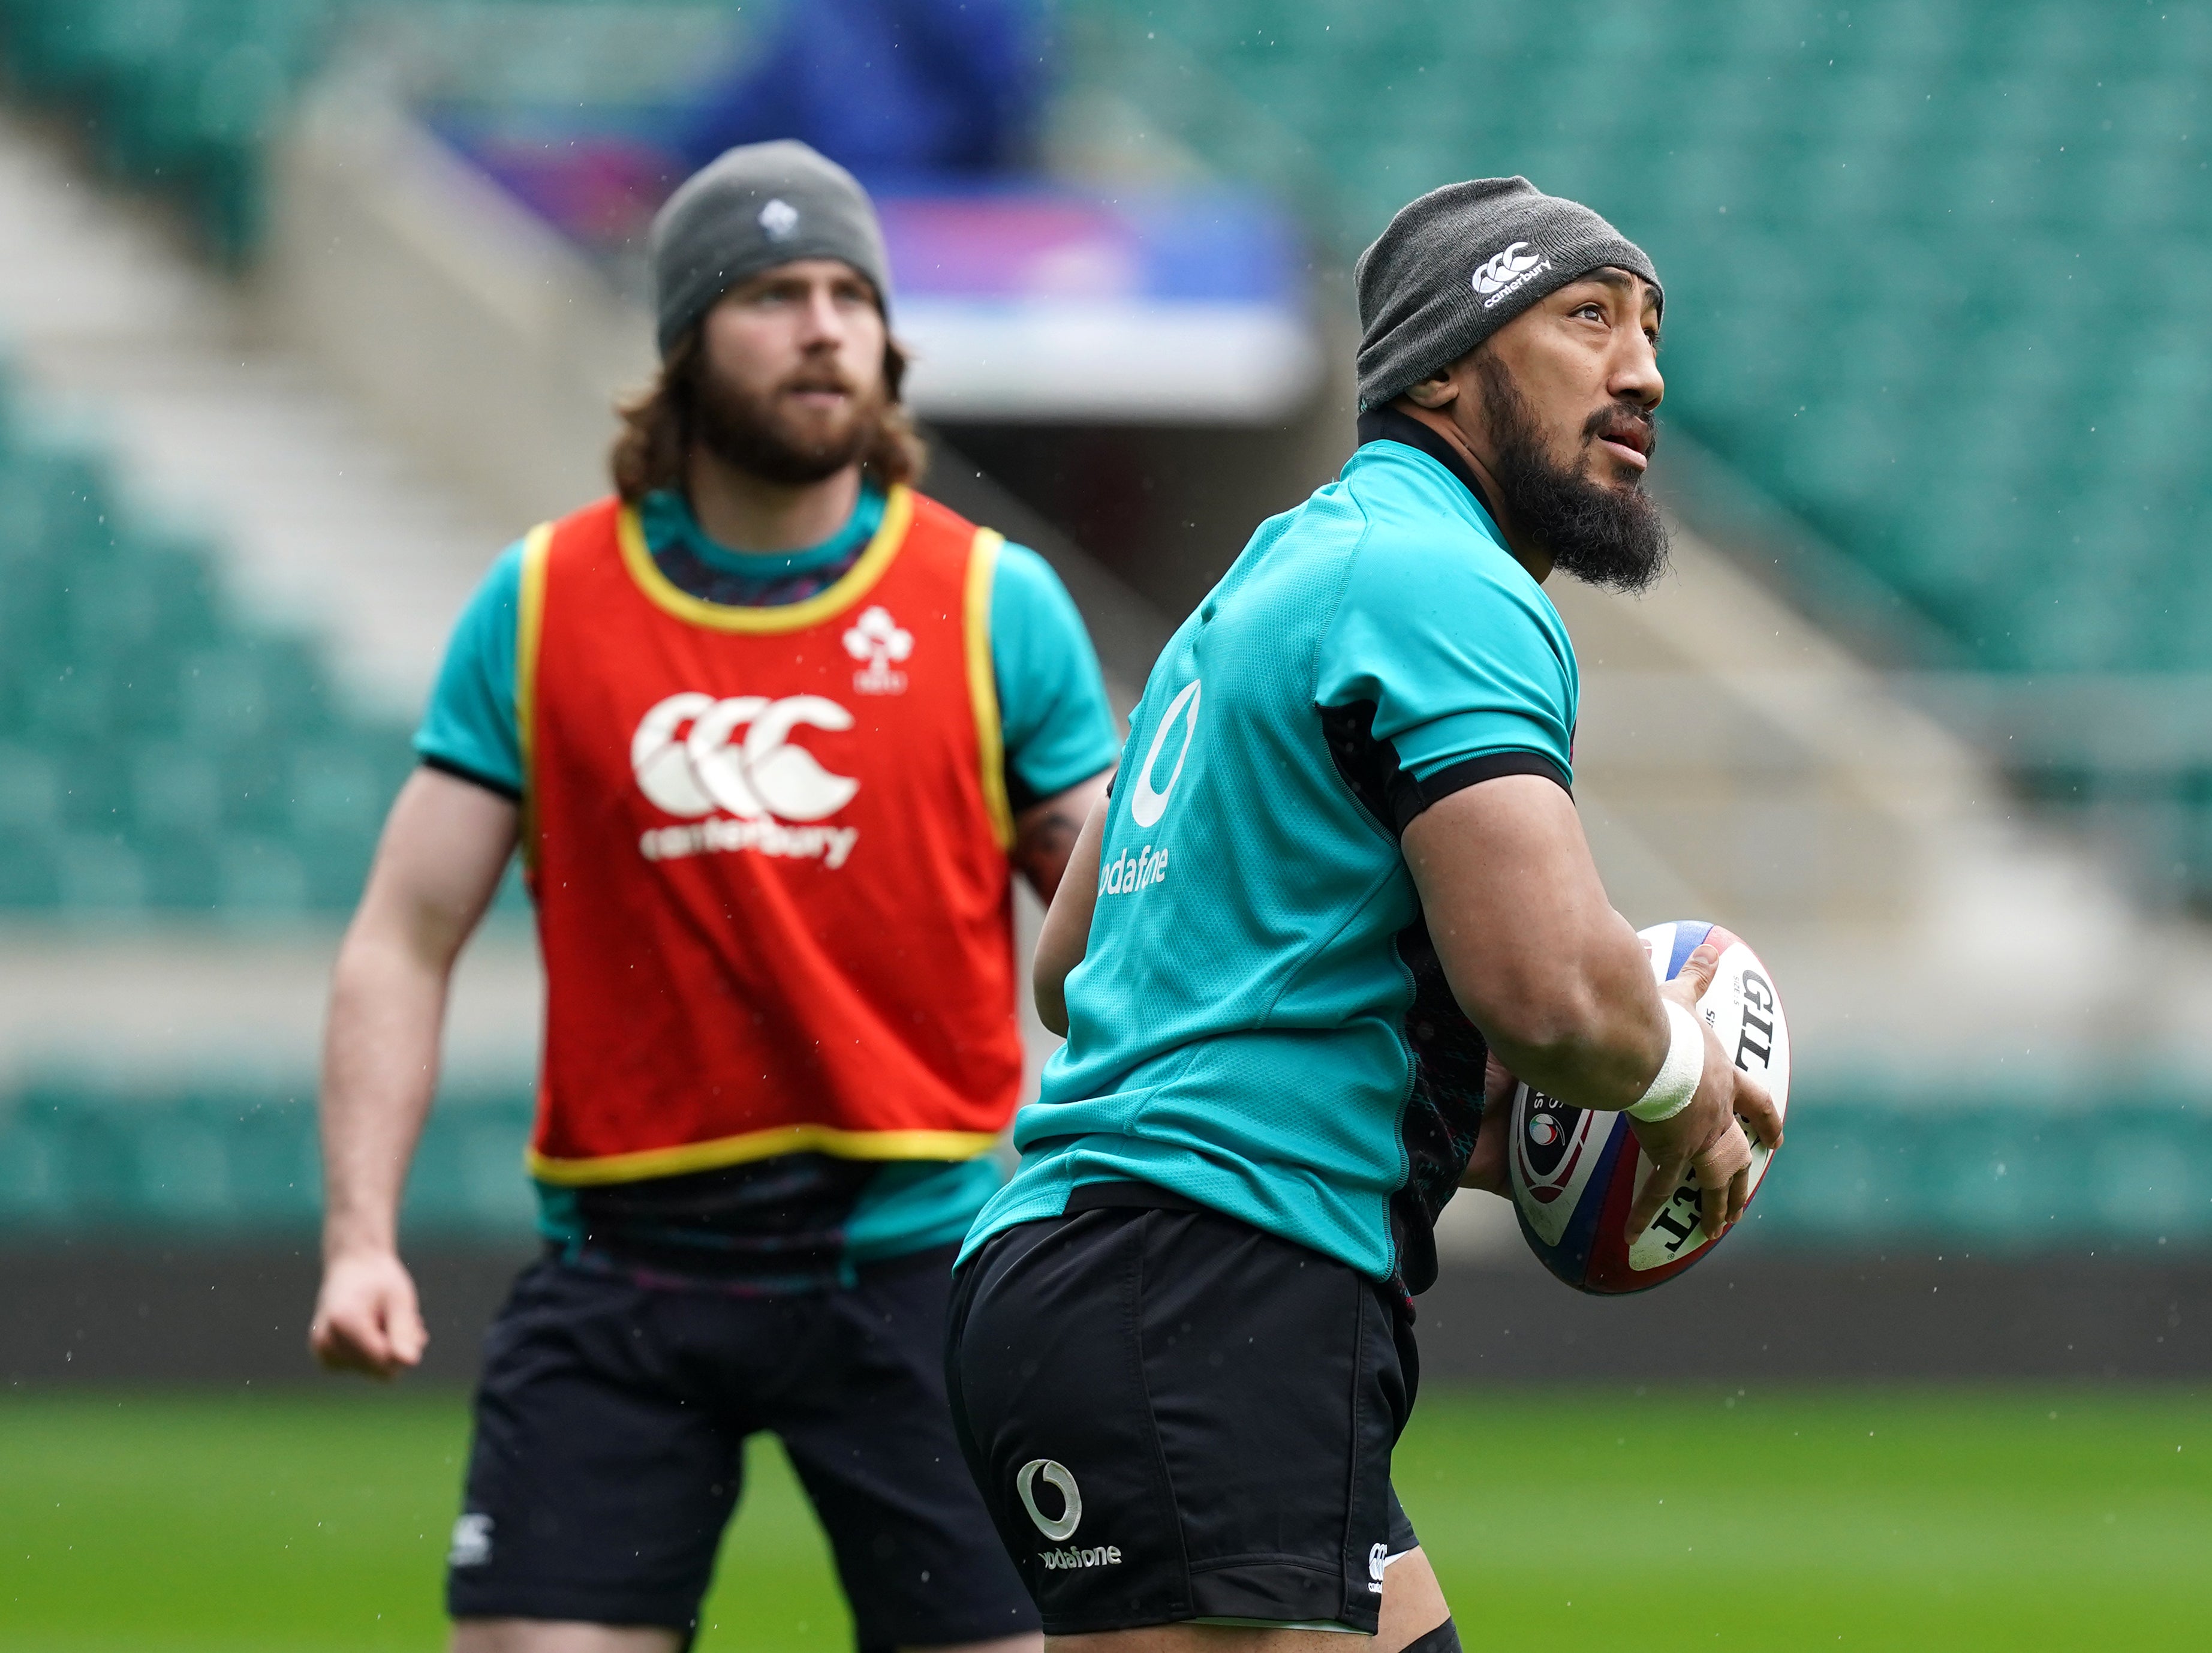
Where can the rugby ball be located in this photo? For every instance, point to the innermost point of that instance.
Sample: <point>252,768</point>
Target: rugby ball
<point>1576,1172</point>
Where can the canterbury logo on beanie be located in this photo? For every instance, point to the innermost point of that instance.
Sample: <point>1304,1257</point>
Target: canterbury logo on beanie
<point>1501,275</point>
<point>1421,305</point>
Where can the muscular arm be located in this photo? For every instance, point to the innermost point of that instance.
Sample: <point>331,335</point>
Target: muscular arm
<point>437,867</point>
<point>1559,983</point>
<point>1045,833</point>
<point>1534,953</point>
<point>1066,934</point>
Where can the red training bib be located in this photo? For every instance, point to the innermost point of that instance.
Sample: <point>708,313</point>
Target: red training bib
<point>769,851</point>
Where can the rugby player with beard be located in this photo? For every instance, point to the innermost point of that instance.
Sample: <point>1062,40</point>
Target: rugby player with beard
<point>1182,1344</point>
<point>771,731</point>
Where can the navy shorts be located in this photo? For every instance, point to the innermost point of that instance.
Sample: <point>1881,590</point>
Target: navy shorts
<point>1174,1416</point>
<point>610,1427</point>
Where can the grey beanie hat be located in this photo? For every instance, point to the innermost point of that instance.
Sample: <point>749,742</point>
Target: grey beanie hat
<point>1458,264</point>
<point>749,209</point>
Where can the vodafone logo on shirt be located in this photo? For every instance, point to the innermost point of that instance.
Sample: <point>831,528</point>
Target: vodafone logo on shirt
<point>732,769</point>
<point>1127,875</point>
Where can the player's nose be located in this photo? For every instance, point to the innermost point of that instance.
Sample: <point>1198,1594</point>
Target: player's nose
<point>1635,375</point>
<point>821,321</point>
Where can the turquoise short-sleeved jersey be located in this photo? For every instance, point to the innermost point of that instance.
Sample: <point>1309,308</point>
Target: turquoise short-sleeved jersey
<point>1260,1023</point>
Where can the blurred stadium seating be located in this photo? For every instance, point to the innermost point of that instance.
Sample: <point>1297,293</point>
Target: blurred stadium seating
<point>159,754</point>
<point>237,1159</point>
<point>182,93</point>
<point>188,96</point>
<point>1996,1173</point>
<point>1915,248</point>
<point>1929,268</point>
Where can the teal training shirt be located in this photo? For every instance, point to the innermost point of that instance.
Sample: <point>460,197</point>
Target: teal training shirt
<point>1259,1023</point>
<point>1058,732</point>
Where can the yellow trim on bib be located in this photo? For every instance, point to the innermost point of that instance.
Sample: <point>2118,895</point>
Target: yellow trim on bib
<point>650,1163</point>
<point>529,626</point>
<point>983,685</point>
<point>665,595</point>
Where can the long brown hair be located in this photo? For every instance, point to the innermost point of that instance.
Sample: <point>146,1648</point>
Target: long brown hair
<point>656,426</point>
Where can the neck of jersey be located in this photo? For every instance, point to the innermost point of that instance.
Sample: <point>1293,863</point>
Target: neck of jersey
<point>1395,425</point>
<point>704,567</point>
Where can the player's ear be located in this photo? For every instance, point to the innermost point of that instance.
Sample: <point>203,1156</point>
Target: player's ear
<point>1439,389</point>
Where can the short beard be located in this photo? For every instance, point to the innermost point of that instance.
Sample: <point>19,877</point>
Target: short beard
<point>746,431</point>
<point>1612,537</point>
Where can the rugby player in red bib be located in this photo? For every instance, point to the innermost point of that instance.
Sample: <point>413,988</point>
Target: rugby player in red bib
<point>770,731</point>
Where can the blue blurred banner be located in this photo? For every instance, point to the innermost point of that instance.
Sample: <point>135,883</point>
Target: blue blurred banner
<point>1034,301</point>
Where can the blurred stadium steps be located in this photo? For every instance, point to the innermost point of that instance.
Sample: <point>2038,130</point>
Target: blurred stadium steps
<point>223,602</point>
<point>324,528</point>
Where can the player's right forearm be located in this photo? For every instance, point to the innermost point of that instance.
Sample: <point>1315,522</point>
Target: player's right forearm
<point>1578,1014</point>
<point>379,1072</point>
<point>444,847</point>
<point>1588,1028</point>
<point>1534,953</point>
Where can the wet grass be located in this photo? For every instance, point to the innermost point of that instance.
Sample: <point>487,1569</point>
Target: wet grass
<point>1959,1519</point>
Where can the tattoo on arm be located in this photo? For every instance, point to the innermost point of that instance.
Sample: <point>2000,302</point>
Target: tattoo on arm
<point>1045,838</point>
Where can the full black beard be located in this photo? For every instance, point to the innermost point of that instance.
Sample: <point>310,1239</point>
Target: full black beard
<point>1613,537</point>
<point>743,431</point>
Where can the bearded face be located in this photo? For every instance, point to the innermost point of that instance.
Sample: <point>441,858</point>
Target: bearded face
<point>790,378</point>
<point>794,377</point>
<point>810,424</point>
<point>1609,534</point>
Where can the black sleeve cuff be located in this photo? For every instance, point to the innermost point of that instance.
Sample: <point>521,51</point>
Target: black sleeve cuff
<point>1410,797</point>
<point>462,772</point>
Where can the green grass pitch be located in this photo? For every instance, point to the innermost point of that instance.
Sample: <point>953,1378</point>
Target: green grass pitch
<point>1584,1519</point>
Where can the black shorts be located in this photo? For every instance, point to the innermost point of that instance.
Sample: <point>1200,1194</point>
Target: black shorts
<point>609,1425</point>
<point>1174,1416</point>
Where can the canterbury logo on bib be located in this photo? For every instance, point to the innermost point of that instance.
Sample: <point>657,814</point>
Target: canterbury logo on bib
<point>694,755</point>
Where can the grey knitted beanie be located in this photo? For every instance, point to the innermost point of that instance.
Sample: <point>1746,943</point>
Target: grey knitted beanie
<point>749,209</point>
<point>1458,264</point>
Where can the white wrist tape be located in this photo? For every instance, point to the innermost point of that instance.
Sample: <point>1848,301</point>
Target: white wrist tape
<point>1676,1081</point>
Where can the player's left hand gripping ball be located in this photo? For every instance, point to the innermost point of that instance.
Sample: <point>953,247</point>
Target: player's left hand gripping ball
<point>1575,1172</point>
